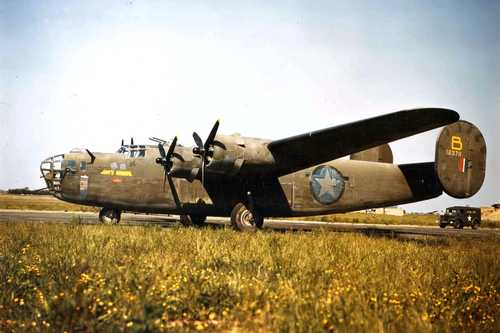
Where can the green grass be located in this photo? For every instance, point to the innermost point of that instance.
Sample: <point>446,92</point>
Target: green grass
<point>407,219</point>
<point>106,278</point>
<point>40,202</point>
<point>415,219</point>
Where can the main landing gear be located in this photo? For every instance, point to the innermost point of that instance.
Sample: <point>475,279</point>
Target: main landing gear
<point>110,216</point>
<point>193,220</point>
<point>242,218</point>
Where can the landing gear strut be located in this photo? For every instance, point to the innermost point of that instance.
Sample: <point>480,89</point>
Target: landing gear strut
<point>109,216</point>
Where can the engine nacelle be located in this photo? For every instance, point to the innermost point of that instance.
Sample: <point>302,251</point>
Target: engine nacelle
<point>234,154</point>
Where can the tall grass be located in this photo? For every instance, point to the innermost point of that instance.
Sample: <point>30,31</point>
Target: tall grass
<point>40,202</point>
<point>100,278</point>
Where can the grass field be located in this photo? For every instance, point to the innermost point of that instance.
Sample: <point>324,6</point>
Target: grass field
<point>40,202</point>
<point>407,219</point>
<point>105,278</point>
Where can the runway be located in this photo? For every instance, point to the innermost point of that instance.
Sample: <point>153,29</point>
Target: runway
<point>400,231</point>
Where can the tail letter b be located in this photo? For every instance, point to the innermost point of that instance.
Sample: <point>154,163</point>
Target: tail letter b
<point>456,143</point>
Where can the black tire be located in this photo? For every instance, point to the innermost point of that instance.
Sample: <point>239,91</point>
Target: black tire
<point>442,225</point>
<point>198,220</point>
<point>193,220</point>
<point>475,224</point>
<point>460,224</point>
<point>109,216</point>
<point>242,219</point>
<point>185,220</point>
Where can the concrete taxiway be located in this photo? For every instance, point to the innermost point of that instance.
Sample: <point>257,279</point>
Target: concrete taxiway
<point>277,224</point>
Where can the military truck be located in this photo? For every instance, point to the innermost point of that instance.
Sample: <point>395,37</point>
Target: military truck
<point>459,217</point>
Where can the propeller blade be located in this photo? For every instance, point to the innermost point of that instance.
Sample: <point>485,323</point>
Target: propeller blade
<point>131,141</point>
<point>171,148</point>
<point>174,192</point>
<point>162,150</point>
<point>203,172</point>
<point>211,136</point>
<point>122,143</point>
<point>197,140</point>
<point>164,178</point>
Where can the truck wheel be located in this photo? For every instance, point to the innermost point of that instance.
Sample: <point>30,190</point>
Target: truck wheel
<point>442,225</point>
<point>242,219</point>
<point>109,216</point>
<point>460,224</point>
<point>475,224</point>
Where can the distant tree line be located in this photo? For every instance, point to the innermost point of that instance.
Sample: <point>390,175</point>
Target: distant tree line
<point>26,190</point>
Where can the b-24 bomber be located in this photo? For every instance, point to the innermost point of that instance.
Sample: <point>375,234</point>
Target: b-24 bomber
<point>249,179</point>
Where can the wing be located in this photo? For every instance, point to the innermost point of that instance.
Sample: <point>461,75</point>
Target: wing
<point>308,149</point>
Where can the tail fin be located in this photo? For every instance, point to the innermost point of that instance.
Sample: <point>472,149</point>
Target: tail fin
<point>461,159</point>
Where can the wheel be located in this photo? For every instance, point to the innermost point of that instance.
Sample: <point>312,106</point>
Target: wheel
<point>109,216</point>
<point>186,220</point>
<point>460,224</point>
<point>242,219</point>
<point>193,220</point>
<point>475,224</point>
<point>442,225</point>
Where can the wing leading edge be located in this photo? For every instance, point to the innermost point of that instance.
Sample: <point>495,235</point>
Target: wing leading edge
<point>308,149</point>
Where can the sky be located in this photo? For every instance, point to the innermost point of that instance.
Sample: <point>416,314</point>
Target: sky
<point>89,73</point>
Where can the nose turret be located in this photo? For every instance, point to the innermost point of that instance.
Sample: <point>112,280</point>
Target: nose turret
<point>53,173</point>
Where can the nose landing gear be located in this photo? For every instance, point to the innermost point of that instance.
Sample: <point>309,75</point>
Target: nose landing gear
<point>109,216</point>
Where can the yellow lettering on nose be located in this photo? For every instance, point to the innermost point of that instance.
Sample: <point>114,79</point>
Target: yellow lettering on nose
<point>456,143</point>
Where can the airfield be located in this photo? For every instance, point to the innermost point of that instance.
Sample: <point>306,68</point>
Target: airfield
<point>129,219</point>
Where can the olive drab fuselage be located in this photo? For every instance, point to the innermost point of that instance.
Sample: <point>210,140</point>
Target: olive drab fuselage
<point>131,180</point>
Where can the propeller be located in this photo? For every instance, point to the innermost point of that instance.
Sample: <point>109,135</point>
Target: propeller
<point>205,150</point>
<point>166,158</point>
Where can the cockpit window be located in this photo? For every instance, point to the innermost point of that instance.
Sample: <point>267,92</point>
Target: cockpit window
<point>132,151</point>
<point>138,153</point>
<point>71,164</point>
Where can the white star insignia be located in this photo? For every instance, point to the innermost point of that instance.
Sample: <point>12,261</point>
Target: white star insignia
<point>327,183</point>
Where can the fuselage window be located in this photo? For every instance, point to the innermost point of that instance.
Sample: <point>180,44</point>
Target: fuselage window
<point>71,164</point>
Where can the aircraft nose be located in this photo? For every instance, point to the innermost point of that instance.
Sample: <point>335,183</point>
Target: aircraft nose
<point>52,172</point>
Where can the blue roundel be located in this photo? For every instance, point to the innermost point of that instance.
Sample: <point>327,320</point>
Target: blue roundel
<point>327,184</point>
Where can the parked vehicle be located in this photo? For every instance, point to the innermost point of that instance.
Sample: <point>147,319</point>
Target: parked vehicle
<point>459,217</point>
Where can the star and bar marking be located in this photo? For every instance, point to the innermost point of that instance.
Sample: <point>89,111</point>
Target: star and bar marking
<point>327,184</point>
